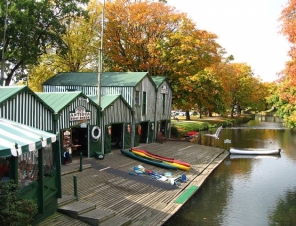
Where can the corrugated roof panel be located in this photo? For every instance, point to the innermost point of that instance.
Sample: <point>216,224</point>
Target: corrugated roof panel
<point>106,100</point>
<point>122,78</point>
<point>7,92</point>
<point>58,101</point>
<point>91,79</point>
<point>158,80</point>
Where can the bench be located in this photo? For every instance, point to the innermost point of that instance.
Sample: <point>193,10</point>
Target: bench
<point>160,137</point>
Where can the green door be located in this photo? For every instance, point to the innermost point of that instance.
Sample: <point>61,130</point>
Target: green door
<point>150,132</point>
<point>107,141</point>
<point>94,140</point>
<point>137,135</point>
<point>127,136</point>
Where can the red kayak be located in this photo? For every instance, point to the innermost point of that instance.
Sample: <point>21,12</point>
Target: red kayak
<point>167,159</point>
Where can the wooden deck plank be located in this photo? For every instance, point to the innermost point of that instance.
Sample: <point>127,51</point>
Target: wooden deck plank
<point>138,200</point>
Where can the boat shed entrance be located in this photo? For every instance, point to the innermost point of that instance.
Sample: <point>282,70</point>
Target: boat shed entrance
<point>76,120</point>
<point>116,119</point>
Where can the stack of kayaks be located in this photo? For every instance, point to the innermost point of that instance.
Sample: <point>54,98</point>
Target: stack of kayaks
<point>147,160</point>
<point>156,159</point>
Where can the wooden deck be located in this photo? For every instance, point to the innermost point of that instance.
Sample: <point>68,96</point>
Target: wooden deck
<point>107,183</point>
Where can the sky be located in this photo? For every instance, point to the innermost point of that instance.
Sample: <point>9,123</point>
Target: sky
<point>246,29</point>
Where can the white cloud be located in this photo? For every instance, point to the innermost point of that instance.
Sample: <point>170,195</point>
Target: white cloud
<point>247,29</point>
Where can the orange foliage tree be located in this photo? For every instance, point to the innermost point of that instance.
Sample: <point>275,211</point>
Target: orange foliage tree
<point>154,37</point>
<point>287,91</point>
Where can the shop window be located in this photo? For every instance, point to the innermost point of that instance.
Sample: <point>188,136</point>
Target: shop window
<point>28,165</point>
<point>137,98</point>
<point>163,103</point>
<point>28,168</point>
<point>144,104</point>
<point>48,160</point>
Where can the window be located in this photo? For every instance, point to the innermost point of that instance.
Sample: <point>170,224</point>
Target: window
<point>163,103</point>
<point>144,104</point>
<point>137,98</point>
<point>28,165</point>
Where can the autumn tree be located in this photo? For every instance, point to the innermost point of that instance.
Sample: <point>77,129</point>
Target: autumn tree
<point>31,27</point>
<point>243,90</point>
<point>287,91</point>
<point>154,37</point>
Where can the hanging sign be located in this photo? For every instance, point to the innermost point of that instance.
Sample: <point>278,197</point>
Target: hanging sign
<point>80,114</point>
<point>227,141</point>
<point>164,90</point>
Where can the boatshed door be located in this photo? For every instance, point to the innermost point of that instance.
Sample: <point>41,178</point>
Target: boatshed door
<point>150,132</point>
<point>108,136</point>
<point>127,136</point>
<point>94,138</point>
<point>138,132</point>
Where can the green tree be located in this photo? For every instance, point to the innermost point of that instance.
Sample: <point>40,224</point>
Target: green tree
<point>32,26</point>
<point>80,52</point>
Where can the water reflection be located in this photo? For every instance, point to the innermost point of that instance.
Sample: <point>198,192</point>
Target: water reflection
<point>247,190</point>
<point>285,212</point>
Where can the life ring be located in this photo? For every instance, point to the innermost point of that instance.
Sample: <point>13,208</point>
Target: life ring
<point>93,132</point>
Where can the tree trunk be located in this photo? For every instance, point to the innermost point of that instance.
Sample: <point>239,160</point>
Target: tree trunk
<point>187,115</point>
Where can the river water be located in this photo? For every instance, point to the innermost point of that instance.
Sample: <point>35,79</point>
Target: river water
<point>247,191</point>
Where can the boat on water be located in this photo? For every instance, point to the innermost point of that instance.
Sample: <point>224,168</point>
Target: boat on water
<point>254,151</point>
<point>147,160</point>
<point>174,162</point>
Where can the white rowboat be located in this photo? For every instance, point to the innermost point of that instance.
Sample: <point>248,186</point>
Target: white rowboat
<point>254,151</point>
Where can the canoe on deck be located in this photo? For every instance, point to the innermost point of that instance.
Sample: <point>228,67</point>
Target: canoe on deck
<point>254,151</point>
<point>146,160</point>
<point>144,155</point>
<point>167,159</point>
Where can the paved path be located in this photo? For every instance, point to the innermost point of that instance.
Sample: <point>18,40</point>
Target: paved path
<point>108,184</point>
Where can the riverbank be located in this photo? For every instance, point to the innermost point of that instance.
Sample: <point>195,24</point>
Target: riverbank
<point>108,185</point>
<point>182,126</point>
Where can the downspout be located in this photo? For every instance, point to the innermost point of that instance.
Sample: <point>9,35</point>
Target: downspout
<point>102,130</point>
<point>155,124</point>
<point>57,151</point>
<point>133,129</point>
<point>41,181</point>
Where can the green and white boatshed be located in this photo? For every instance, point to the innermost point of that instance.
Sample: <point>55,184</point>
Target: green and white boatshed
<point>137,88</point>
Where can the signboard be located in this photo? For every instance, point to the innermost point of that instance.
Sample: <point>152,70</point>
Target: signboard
<point>80,114</point>
<point>164,90</point>
<point>227,141</point>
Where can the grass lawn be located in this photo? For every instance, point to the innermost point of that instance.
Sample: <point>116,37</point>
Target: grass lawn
<point>182,126</point>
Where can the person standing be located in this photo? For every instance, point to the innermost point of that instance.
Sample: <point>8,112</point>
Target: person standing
<point>66,156</point>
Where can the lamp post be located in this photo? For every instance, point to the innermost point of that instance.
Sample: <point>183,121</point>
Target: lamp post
<point>100,66</point>
<point>4,42</point>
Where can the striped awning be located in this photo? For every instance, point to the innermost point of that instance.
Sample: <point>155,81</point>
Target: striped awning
<point>17,139</point>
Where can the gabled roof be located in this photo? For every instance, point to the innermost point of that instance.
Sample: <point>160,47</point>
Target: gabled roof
<point>59,100</point>
<point>119,79</point>
<point>7,92</point>
<point>108,100</point>
<point>158,80</point>
<point>17,139</point>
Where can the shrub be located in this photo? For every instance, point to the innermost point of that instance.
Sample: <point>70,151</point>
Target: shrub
<point>13,209</point>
